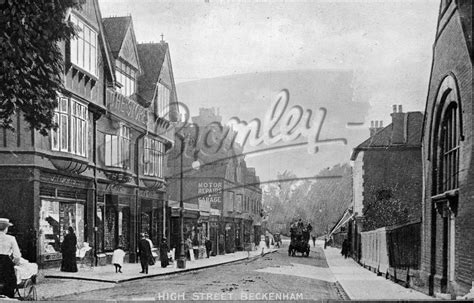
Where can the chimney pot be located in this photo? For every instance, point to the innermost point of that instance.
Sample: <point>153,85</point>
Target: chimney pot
<point>380,123</point>
<point>400,110</point>
<point>372,123</point>
<point>394,108</point>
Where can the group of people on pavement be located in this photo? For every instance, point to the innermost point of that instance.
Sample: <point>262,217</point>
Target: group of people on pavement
<point>146,255</point>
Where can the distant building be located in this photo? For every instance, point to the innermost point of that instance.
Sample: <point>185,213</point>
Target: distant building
<point>448,162</point>
<point>222,197</point>
<point>387,175</point>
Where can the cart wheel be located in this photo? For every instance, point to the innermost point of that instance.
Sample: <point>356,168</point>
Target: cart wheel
<point>28,292</point>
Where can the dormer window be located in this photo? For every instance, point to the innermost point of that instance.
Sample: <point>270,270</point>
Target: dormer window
<point>126,76</point>
<point>83,48</point>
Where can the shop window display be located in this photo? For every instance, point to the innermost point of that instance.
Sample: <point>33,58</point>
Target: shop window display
<point>110,225</point>
<point>54,219</point>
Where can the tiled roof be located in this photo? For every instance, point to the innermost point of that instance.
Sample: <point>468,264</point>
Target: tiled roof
<point>115,31</point>
<point>151,56</point>
<point>383,138</point>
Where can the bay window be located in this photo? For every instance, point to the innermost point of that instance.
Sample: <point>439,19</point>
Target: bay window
<point>153,155</point>
<point>83,48</point>
<point>72,132</point>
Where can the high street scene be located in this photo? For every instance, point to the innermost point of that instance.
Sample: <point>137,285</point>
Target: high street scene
<point>236,150</point>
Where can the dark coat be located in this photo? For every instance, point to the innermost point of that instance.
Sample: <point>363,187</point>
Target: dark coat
<point>68,250</point>
<point>144,250</point>
<point>164,249</point>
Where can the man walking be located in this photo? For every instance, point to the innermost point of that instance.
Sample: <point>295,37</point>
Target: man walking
<point>144,251</point>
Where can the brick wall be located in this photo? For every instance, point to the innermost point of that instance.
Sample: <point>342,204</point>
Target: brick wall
<point>451,58</point>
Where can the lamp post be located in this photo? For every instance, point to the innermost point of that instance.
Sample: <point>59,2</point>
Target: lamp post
<point>182,257</point>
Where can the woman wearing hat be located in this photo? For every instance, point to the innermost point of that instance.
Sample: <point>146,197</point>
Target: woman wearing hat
<point>164,249</point>
<point>8,248</point>
<point>68,249</point>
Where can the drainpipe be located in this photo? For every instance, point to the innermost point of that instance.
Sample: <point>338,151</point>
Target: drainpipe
<point>137,190</point>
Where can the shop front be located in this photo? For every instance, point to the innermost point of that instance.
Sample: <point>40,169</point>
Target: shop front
<point>115,217</point>
<point>63,203</point>
<point>152,216</point>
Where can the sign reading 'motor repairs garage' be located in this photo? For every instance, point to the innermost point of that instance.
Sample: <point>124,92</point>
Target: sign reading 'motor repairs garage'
<point>126,108</point>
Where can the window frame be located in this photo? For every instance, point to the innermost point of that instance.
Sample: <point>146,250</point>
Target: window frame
<point>67,138</point>
<point>84,46</point>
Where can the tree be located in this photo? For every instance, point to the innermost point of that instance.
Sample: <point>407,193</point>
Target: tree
<point>31,60</point>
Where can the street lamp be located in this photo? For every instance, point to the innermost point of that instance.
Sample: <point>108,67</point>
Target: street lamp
<point>195,165</point>
<point>181,257</point>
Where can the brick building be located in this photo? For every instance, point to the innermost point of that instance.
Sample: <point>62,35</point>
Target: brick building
<point>448,168</point>
<point>98,172</point>
<point>387,176</point>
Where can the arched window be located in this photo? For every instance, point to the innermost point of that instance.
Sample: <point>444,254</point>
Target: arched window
<point>449,150</point>
<point>446,137</point>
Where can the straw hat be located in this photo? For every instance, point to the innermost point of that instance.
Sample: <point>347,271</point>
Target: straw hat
<point>4,222</point>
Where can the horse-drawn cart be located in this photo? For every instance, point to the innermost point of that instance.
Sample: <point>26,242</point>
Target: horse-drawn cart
<point>299,240</point>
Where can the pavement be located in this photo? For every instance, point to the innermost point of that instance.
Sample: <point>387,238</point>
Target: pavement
<point>362,284</point>
<point>53,282</point>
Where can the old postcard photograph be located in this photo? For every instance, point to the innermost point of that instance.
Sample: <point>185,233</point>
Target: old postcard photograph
<point>236,150</point>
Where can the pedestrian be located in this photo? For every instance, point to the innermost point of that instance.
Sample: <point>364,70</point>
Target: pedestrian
<point>117,259</point>
<point>8,249</point>
<point>345,248</point>
<point>164,249</point>
<point>314,241</point>
<point>208,245</point>
<point>68,250</point>
<point>325,242</point>
<point>144,251</point>
<point>189,249</point>
<point>152,258</point>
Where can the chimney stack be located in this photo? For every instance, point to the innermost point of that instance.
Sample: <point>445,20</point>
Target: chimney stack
<point>399,125</point>
<point>375,126</point>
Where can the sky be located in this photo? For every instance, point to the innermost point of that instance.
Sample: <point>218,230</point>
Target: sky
<point>386,45</point>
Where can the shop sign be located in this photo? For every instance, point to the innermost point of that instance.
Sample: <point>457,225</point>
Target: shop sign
<point>210,192</point>
<point>126,108</point>
<point>62,180</point>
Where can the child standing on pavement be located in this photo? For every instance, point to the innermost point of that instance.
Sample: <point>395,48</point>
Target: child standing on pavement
<point>117,259</point>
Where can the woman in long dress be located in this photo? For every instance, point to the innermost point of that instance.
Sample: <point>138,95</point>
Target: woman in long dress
<point>164,249</point>
<point>68,249</point>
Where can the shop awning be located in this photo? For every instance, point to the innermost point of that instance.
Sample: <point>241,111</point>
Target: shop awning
<point>346,217</point>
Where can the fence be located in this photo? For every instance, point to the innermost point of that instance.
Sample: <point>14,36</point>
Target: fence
<point>392,251</point>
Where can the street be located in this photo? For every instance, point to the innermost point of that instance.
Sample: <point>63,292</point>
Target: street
<point>275,276</point>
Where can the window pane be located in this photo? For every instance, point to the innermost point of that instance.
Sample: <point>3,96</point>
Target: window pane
<point>55,134</point>
<point>64,132</point>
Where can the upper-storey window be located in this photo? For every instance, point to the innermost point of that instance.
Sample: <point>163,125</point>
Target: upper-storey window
<point>126,76</point>
<point>162,100</point>
<point>117,148</point>
<point>84,47</point>
<point>153,155</point>
<point>71,135</point>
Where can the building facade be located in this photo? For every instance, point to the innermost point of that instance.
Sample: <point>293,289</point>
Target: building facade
<point>448,201</point>
<point>98,172</point>
<point>387,176</point>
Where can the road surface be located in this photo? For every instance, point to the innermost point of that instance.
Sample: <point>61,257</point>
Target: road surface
<point>275,276</point>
